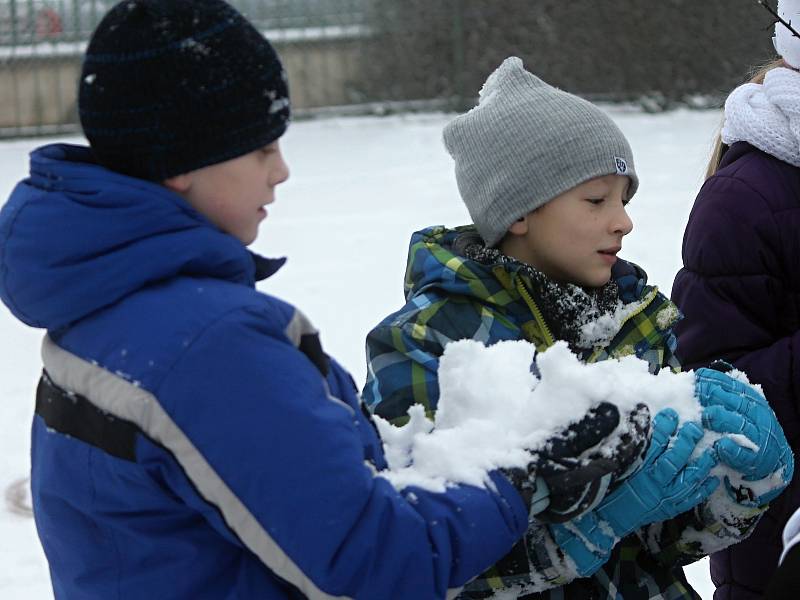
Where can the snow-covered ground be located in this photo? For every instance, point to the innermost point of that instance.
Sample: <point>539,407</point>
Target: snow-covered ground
<point>359,187</point>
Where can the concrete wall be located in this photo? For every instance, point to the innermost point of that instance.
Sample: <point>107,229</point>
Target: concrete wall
<point>323,73</point>
<point>38,91</point>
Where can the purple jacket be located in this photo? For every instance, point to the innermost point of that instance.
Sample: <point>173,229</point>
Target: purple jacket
<point>740,292</point>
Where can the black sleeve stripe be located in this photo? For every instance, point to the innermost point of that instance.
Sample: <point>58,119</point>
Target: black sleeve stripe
<point>73,415</point>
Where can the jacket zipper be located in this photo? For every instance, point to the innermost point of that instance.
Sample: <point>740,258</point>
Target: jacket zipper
<point>537,314</point>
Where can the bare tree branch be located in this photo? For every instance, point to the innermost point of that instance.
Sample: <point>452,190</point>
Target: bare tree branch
<point>778,18</point>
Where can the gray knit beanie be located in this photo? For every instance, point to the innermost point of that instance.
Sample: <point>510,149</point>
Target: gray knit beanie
<point>526,143</point>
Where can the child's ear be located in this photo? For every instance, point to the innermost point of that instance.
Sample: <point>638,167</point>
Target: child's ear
<point>179,183</point>
<point>519,227</point>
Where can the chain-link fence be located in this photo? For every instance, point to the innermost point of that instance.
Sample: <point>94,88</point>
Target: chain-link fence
<point>359,55</point>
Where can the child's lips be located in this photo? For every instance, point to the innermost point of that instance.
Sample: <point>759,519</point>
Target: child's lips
<point>262,210</point>
<point>610,254</point>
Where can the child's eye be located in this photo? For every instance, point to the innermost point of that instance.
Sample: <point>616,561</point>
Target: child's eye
<point>269,149</point>
<point>595,200</point>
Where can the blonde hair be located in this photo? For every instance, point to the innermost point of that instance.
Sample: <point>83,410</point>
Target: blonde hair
<point>756,76</point>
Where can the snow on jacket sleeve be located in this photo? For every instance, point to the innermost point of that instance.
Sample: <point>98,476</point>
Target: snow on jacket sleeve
<point>711,526</point>
<point>301,495</point>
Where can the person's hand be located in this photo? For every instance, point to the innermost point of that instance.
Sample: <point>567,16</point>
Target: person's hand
<point>628,448</point>
<point>668,483</point>
<point>572,472</point>
<point>763,458</point>
<point>584,542</point>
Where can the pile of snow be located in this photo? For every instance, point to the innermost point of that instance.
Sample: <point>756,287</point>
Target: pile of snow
<point>493,411</point>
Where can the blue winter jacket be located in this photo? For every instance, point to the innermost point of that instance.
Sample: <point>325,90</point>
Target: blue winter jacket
<point>191,439</point>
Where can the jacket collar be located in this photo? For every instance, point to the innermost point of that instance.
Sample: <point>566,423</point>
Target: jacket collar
<point>76,237</point>
<point>735,151</point>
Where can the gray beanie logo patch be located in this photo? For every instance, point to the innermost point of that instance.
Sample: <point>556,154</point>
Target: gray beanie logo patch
<point>622,165</point>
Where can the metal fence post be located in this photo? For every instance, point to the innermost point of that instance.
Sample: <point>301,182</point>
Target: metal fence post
<point>459,99</point>
<point>14,33</point>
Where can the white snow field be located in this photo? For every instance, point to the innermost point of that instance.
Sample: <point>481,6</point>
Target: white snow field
<point>359,187</point>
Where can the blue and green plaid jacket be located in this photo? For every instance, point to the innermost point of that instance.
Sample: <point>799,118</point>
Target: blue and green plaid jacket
<point>450,297</point>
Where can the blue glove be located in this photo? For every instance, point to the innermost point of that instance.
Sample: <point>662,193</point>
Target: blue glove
<point>734,407</point>
<point>667,485</point>
<point>584,542</point>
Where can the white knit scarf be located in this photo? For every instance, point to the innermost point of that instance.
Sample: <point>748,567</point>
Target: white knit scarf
<point>767,116</point>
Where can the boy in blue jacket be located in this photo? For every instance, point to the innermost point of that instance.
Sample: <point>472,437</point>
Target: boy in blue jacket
<point>191,439</point>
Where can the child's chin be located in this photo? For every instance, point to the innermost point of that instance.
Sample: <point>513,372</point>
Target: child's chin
<point>597,280</point>
<point>247,237</point>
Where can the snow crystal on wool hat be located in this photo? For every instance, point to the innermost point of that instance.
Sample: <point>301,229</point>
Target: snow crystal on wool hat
<point>786,43</point>
<point>170,86</point>
<point>526,143</point>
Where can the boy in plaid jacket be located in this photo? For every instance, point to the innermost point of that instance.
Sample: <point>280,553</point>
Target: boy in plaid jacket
<point>546,177</point>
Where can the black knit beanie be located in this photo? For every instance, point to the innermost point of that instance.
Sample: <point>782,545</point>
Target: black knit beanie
<point>170,86</point>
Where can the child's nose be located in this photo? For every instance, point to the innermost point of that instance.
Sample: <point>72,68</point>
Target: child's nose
<point>622,222</point>
<point>281,172</point>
